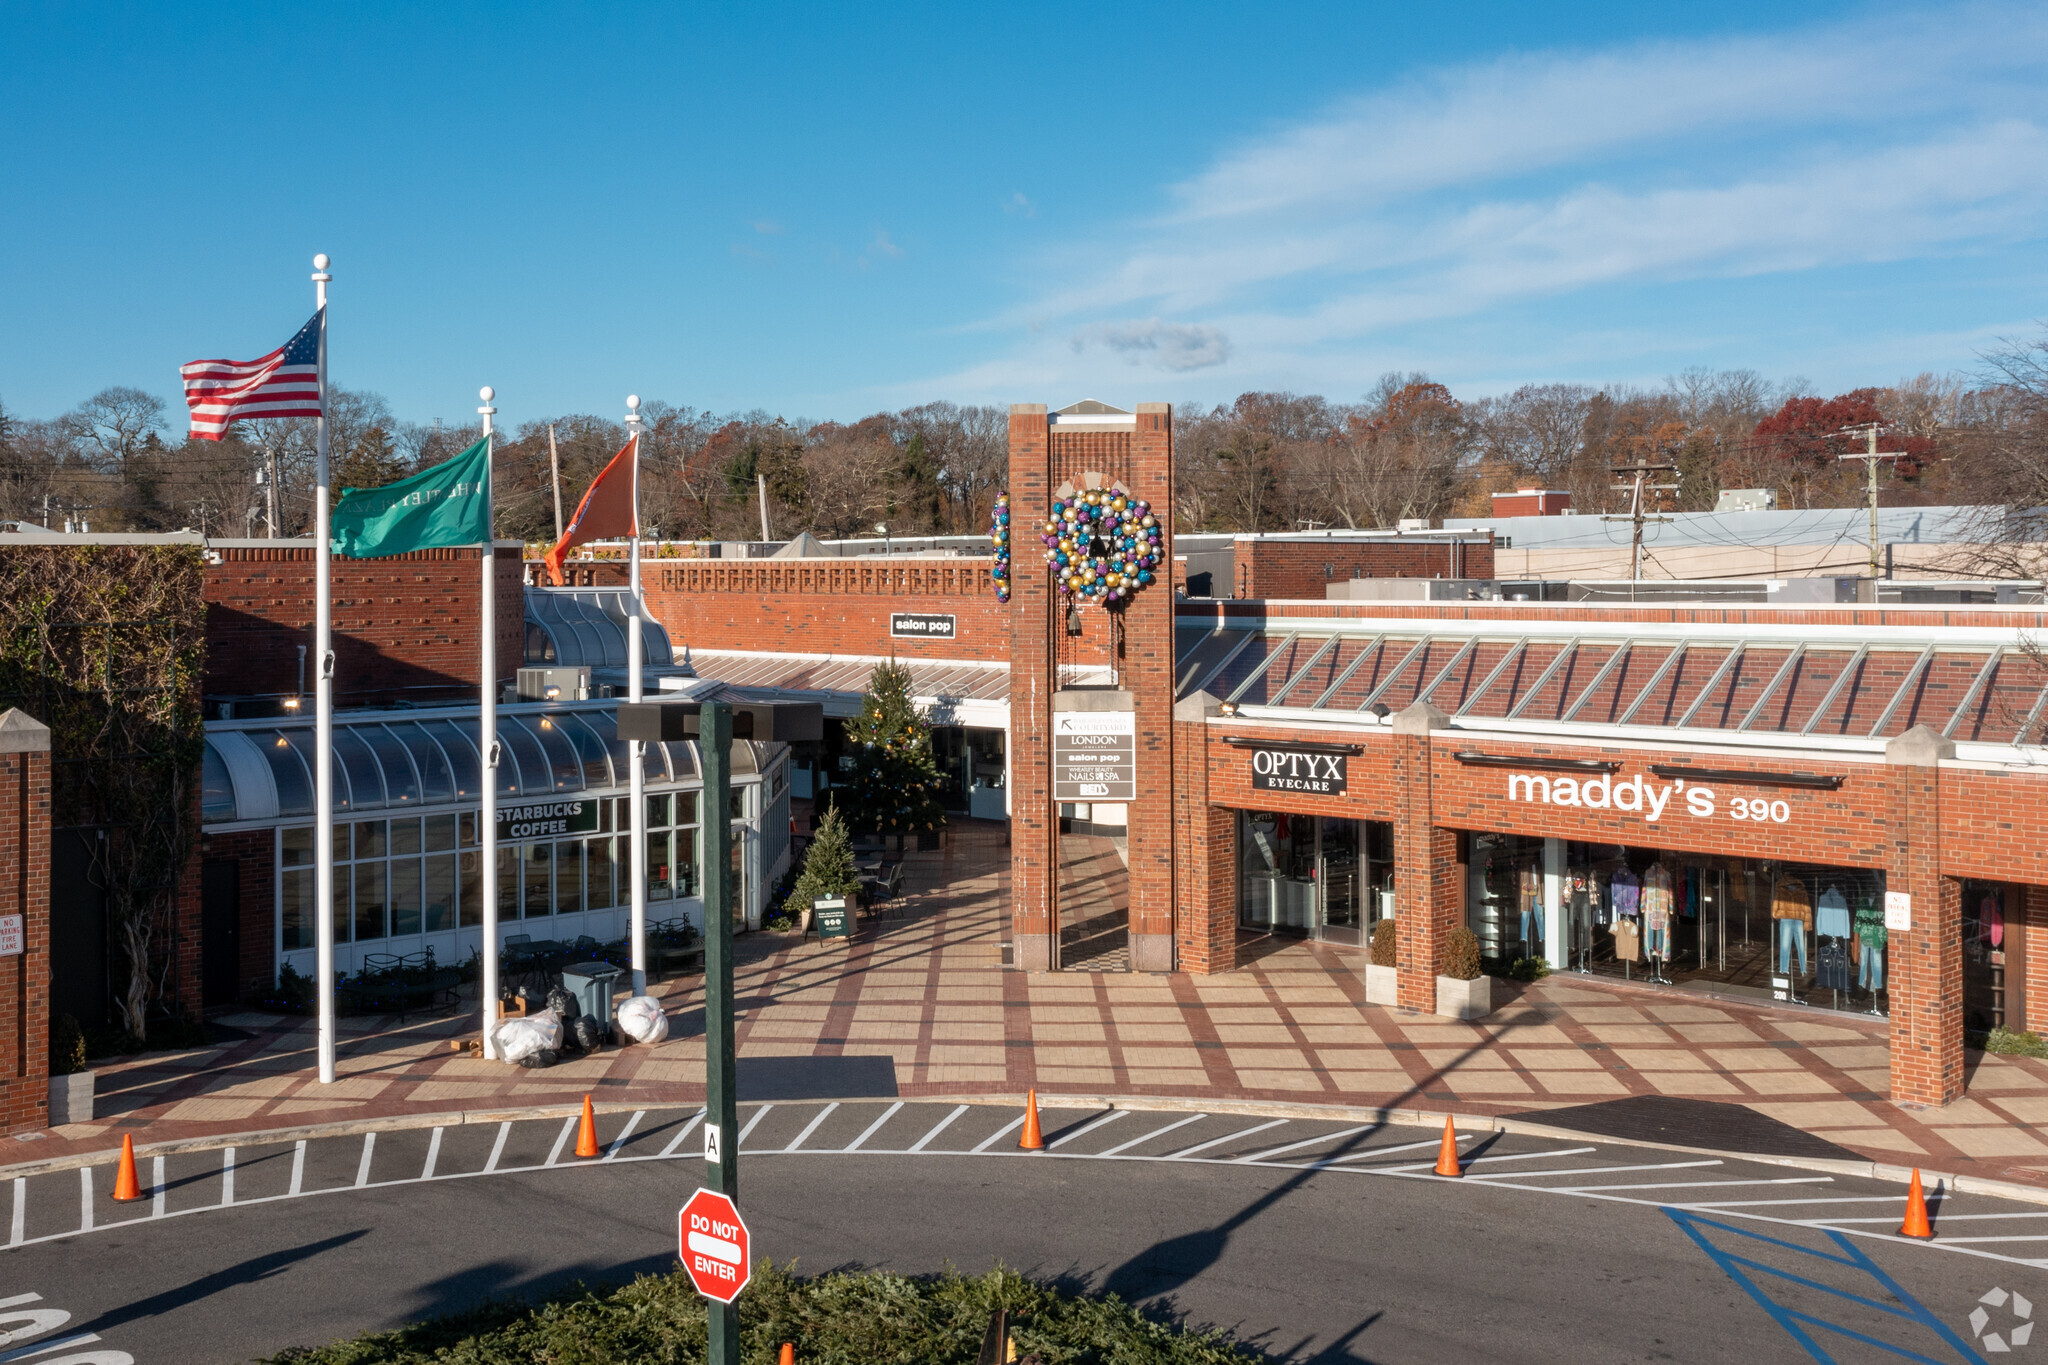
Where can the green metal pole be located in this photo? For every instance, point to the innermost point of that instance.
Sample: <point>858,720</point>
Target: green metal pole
<point>721,1095</point>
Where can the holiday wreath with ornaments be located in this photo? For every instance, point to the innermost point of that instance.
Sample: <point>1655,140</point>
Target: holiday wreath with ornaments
<point>999,540</point>
<point>1102,545</point>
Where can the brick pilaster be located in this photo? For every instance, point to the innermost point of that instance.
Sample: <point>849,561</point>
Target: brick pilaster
<point>1205,844</point>
<point>2034,963</point>
<point>1925,973</point>
<point>1034,820</point>
<point>1146,669</point>
<point>1426,903</point>
<point>25,891</point>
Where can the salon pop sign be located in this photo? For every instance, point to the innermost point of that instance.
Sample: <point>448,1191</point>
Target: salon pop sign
<point>1650,799</point>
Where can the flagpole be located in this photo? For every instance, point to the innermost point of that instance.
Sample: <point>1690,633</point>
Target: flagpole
<point>323,703</point>
<point>635,647</point>
<point>487,745</point>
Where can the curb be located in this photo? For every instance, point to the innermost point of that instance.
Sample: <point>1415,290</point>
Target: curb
<point>1417,1118</point>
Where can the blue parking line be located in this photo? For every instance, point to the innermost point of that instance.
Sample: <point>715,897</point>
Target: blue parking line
<point>1795,1322</point>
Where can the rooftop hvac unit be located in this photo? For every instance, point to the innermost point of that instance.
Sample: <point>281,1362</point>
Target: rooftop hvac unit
<point>554,684</point>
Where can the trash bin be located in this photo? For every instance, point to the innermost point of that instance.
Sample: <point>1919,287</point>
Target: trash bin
<point>591,984</point>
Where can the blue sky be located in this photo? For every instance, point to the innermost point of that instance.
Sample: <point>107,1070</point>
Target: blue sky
<point>830,210</point>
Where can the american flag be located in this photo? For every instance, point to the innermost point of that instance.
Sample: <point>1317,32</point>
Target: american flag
<point>285,383</point>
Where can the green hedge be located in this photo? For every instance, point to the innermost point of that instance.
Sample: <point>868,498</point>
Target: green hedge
<point>837,1319</point>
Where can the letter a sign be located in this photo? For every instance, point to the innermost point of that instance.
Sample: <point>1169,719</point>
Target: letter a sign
<point>713,1246</point>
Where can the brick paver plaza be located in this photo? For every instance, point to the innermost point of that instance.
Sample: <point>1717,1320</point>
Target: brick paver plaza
<point>925,988</point>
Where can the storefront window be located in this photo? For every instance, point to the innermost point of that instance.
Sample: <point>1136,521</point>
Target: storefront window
<point>1772,930</point>
<point>1992,929</point>
<point>1320,876</point>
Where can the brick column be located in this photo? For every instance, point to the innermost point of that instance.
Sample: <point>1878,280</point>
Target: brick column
<point>2034,907</point>
<point>1205,850</point>
<point>25,891</point>
<point>1146,669</point>
<point>1034,820</point>
<point>1426,903</point>
<point>1925,971</point>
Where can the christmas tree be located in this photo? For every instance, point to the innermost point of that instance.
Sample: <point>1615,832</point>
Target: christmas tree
<point>828,869</point>
<point>895,784</point>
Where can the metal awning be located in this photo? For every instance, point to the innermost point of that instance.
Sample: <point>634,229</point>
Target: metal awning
<point>1822,682</point>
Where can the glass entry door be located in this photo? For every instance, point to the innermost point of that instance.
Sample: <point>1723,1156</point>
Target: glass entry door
<point>1341,876</point>
<point>1309,875</point>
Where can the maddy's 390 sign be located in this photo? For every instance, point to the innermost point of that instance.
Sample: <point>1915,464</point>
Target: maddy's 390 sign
<point>1094,756</point>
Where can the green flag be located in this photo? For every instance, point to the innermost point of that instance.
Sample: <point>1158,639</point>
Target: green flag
<point>436,508</point>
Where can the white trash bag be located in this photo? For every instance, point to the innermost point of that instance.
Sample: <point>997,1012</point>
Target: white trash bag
<point>518,1039</point>
<point>641,1019</point>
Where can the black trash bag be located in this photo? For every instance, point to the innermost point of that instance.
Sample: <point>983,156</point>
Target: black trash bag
<point>534,998</point>
<point>562,1003</point>
<point>547,1056</point>
<point>587,1035</point>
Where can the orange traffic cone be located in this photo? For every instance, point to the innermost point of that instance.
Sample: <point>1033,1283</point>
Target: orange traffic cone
<point>1447,1155</point>
<point>788,1353</point>
<point>1033,1140</point>
<point>586,1135</point>
<point>126,1186</point>
<point>1916,1224</point>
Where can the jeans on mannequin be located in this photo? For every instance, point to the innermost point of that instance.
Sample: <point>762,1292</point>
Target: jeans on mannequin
<point>1532,931</point>
<point>1870,967</point>
<point>1791,933</point>
<point>1656,940</point>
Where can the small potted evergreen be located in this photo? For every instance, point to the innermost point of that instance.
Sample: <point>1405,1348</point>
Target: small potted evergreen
<point>1382,977</point>
<point>828,871</point>
<point>1462,990</point>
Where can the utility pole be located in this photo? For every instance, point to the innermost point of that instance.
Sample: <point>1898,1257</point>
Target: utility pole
<point>555,478</point>
<point>1636,515</point>
<point>761,482</point>
<point>1870,458</point>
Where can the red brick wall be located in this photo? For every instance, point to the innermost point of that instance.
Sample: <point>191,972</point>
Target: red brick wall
<point>1304,569</point>
<point>1233,615</point>
<point>404,627</point>
<point>25,979</point>
<point>828,606</point>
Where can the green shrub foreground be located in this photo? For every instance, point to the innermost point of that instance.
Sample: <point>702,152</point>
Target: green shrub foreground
<point>836,1319</point>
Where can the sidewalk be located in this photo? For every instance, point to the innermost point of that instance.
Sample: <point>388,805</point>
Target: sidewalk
<point>921,1006</point>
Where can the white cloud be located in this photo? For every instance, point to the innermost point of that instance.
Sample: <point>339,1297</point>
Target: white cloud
<point>1540,176</point>
<point>1018,204</point>
<point>1173,346</point>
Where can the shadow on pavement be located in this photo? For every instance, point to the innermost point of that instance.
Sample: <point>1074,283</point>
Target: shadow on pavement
<point>248,1272</point>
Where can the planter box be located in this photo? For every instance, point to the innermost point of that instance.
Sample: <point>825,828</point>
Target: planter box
<point>1464,999</point>
<point>71,1098</point>
<point>1382,985</point>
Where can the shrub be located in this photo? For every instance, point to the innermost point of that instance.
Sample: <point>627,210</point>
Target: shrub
<point>2015,1044</point>
<point>67,1046</point>
<point>874,1319</point>
<point>1383,943</point>
<point>1461,955</point>
<point>1529,969</point>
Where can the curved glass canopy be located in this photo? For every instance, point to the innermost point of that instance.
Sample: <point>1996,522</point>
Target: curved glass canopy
<point>395,762</point>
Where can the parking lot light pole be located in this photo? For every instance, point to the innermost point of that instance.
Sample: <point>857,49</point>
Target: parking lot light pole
<point>721,1097</point>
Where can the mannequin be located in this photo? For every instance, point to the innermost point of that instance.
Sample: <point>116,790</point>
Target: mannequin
<point>1658,905</point>
<point>1870,945</point>
<point>1792,910</point>
<point>1625,892</point>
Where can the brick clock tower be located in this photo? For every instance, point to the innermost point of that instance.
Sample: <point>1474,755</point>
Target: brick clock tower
<point>1119,663</point>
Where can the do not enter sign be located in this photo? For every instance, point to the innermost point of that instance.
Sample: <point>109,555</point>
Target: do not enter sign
<point>712,1242</point>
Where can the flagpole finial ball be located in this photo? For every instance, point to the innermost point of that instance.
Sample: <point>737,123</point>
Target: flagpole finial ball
<point>487,393</point>
<point>320,261</point>
<point>633,401</point>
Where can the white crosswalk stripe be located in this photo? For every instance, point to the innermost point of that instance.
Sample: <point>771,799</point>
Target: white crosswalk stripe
<point>1978,1225</point>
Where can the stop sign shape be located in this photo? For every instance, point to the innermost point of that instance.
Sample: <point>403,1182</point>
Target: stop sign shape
<point>713,1245</point>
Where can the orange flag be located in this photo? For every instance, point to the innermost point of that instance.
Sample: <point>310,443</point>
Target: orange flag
<point>607,511</point>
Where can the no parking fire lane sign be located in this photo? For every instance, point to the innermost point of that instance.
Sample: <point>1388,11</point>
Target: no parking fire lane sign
<point>713,1244</point>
